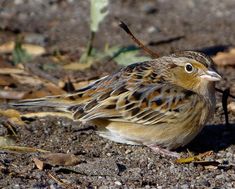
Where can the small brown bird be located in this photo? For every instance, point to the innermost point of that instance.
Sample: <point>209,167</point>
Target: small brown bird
<point>162,103</point>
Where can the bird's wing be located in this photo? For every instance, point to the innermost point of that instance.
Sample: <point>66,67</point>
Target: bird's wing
<point>146,106</point>
<point>137,95</point>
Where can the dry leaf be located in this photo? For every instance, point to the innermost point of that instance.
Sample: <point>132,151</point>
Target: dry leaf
<point>6,80</point>
<point>27,79</point>
<point>33,50</point>
<point>16,121</point>
<point>39,164</point>
<point>48,90</point>
<point>7,71</point>
<point>54,89</point>
<point>231,107</point>
<point>13,115</point>
<point>60,159</point>
<point>7,47</point>
<point>37,94</point>
<point>82,84</point>
<point>225,58</point>
<point>22,149</point>
<point>13,95</point>
<point>10,113</point>
<point>77,66</point>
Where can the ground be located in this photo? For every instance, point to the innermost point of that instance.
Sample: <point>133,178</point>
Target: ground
<point>63,25</point>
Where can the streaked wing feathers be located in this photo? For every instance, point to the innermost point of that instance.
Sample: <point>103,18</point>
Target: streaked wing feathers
<point>136,94</point>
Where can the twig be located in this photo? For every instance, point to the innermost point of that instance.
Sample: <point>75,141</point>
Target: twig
<point>140,44</point>
<point>221,91</point>
<point>225,95</point>
<point>225,103</point>
<point>60,182</point>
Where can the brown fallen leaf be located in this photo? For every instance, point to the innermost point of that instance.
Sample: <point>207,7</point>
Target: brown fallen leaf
<point>77,66</point>
<point>53,89</point>
<point>33,50</point>
<point>81,84</point>
<point>6,80</point>
<point>13,116</point>
<point>10,113</point>
<point>60,159</point>
<point>225,58</point>
<point>6,71</point>
<point>22,149</point>
<point>47,90</point>
<point>13,95</point>
<point>37,94</point>
<point>27,79</point>
<point>39,164</point>
<point>231,107</point>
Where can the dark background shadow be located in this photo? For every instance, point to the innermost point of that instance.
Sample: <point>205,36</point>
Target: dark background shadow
<point>212,137</point>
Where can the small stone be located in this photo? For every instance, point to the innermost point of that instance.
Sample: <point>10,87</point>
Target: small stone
<point>109,154</point>
<point>219,177</point>
<point>151,29</point>
<point>128,151</point>
<point>118,183</point>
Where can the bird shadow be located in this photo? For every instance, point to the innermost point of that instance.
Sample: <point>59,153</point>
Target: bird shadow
<point>212,137</point>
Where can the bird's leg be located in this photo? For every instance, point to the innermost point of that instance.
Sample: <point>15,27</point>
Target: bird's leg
<point>163,151</point>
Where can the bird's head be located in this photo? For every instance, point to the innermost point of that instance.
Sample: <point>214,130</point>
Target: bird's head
<point>192,70</point>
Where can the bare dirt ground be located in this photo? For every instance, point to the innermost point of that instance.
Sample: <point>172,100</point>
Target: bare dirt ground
<point>63,25</point>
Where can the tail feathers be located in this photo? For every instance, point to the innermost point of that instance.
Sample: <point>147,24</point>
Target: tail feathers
<point>51,102</point>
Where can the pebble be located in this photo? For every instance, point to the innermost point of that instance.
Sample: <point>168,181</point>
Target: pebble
<point>118,183</point>
<point>219,177</point>
<point>109,154</point>
<point>128,151</point>
<point>151,29</point>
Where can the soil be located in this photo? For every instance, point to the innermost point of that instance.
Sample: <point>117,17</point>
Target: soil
<point>63,24</point>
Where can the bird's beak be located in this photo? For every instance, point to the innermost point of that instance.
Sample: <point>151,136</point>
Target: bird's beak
<point>211,76</point>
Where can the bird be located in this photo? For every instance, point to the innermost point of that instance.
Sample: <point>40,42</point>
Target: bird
<point>161,103</point>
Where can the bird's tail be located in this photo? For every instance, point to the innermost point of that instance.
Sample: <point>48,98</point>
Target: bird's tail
<point>60,102</point>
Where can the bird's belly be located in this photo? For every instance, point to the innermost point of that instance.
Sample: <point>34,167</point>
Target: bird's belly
<point>168,135</point>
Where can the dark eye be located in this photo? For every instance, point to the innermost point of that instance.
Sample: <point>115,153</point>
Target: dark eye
<point>189,68</point>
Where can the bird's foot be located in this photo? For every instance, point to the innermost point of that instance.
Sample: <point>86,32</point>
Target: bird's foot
<point>163,151</point>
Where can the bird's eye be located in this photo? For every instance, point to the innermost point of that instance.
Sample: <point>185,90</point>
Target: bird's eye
<point>189,68</point>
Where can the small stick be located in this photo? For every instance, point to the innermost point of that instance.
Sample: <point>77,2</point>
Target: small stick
<point>221,91</point>
<point>225,95</point>
<point>224,104</point>
<point>140,44</point>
